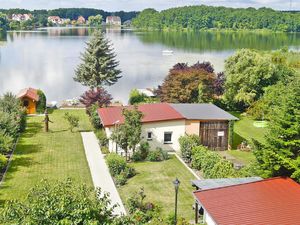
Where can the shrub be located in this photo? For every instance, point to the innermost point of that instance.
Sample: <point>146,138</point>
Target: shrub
<point>136,156</point>
<point>116,164</point>
<point>187,143</point>
<point>9,125</point>
<point>94,117</point>
<point>221,169</point>
<point>120,179</point>
<point>105,150</point>
<point>144,149</point>
<point>72,120</point>
<point>101,135</point>
<point>42,103</point>
<point>3,161</point>
<point>6,142</point>
<point>157,155</point>
<point>199,156</point>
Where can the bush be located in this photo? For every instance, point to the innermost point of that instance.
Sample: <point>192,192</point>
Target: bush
<point>6,143</point>
<point>105,150</point>
<point>3,161</point>
<point>9,125</point>
<point>157,155</point>
<point>136,156</point>
<point>144,149</point>
<point>72,120</point>
<point>120,179</point>
<point>94,117</point>
<point>119,169</point>
<point>116,164</point>
<point>187,143</point>
<point>42,103</point>
<point>211,164</point>
<point>101,135</point>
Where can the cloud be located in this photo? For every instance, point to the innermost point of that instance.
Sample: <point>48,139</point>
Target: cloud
<point>126,5</point>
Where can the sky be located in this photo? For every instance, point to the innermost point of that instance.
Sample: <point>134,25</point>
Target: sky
<point>130,5</point>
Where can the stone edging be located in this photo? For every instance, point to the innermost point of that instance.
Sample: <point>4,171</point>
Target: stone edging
<point>180,159</point>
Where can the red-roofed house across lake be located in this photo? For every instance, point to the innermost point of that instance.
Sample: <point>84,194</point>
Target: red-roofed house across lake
<point>164,123</point>
<point>29,98</point>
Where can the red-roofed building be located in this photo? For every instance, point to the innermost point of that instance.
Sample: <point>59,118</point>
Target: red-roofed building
<point>164,123</point>
<point>29,98</point>
<point>274,201</point>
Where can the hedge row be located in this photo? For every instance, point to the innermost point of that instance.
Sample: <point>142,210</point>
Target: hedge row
<point>12,123</point>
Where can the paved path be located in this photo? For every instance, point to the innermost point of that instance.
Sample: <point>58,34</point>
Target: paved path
<point>99,170</point>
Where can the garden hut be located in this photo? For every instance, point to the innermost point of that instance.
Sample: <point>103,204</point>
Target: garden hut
<point>29,98</point>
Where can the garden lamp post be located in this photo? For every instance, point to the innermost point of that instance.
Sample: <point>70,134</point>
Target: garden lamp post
<point>116,123</point>
<point>176,185</point>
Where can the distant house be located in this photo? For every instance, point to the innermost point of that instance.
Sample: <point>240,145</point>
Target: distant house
<point>271,201</point>
<point>81,20</point>
<point>164,123</point>
<point>29,98</point>
<point>54,19</point>
<point>21,17</point>
<point>113,21</point>
<point>149,92</point>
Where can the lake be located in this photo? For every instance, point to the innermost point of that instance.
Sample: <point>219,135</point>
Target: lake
<point>46,59</point>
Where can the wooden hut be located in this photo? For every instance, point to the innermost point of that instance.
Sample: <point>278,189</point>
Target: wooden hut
<point>29,98</point>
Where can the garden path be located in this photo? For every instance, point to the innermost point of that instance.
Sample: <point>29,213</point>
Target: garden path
<point>100,172</point>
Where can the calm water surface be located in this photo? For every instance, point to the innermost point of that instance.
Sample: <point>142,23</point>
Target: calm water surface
<point>47,59</point>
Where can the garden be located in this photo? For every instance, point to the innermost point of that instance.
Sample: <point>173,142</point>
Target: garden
<point>56,155</point>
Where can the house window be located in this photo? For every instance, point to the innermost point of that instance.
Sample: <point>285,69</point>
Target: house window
<point>149,136</point>
<point>168,137</point>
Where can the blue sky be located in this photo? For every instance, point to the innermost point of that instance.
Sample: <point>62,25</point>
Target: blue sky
<point>114,5</point>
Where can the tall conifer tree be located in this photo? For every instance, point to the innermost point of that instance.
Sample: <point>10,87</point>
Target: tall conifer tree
<point>99,64</point>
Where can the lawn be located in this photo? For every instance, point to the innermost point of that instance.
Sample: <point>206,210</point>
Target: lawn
<point>157,178</point>
<point>244,157</point>
<point>56,155</point>
<point>245,130</point>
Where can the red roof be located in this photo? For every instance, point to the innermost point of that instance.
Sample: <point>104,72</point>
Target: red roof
<point>272,201</point>
<point>29,93</point>
<point>152,113</point>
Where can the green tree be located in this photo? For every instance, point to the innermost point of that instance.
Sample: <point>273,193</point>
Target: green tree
<point>99,66</point>
<point>72,120</point>
<point>128,135</point>
<point>42,103</point>
<point>3,22</point>
<point>135,97</point>
<point>95,21</point>
<point>60,203</point>
<point>248,73</point>
<point>281,155</point>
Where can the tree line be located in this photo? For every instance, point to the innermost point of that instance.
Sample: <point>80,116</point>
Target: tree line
<point>208,17</point>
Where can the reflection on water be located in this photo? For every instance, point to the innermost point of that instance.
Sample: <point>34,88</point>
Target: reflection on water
<point>47,58</point>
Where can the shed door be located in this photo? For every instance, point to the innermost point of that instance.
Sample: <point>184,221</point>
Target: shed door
<point>214,135</point>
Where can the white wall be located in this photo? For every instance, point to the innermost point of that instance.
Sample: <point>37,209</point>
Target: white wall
<point>177,127</point>
<point>208,219</point>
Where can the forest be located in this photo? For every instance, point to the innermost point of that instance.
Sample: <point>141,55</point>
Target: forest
<point>208,17</point>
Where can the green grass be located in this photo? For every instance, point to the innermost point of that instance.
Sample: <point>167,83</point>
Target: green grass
<point>56,155</point>
<point>245,130</point>
<point>157,178</point>
<point>244,157</point>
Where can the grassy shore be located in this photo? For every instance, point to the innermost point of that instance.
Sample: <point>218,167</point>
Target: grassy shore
<point>56,155</point>
<point>156,178</point>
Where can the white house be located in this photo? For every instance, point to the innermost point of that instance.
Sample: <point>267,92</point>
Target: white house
<point>21,17</point>
<point>163,124</point>
<point>113,21</point>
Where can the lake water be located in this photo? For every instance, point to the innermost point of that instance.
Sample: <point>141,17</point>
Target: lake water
<point>47,59</point>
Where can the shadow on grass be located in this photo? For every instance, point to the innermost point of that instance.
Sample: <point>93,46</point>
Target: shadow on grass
<point>32,129</point>
<point>237,140</point>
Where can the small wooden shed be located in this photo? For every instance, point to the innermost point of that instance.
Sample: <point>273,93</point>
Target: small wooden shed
<point>207,121</point>
<point>29,98</point>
